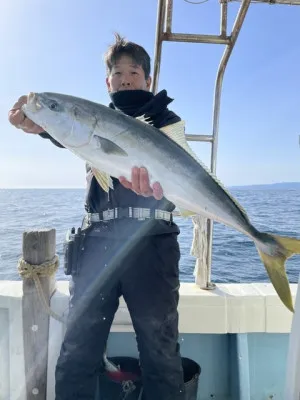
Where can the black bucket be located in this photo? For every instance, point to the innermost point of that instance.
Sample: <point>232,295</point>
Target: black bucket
<point>111,388</point>
<point>115,388</point>
<point>191,371</point>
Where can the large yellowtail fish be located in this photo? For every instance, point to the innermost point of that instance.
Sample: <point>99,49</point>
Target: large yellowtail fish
<point>113,143</point>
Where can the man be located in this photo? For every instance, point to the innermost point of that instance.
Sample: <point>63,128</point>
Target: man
<point>145,252</point>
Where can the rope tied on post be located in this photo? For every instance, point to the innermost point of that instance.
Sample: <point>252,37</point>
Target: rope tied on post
<point>47,268</point>
<point>33,271</point>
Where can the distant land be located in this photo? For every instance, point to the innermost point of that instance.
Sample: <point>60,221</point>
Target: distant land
<point>275,186</point>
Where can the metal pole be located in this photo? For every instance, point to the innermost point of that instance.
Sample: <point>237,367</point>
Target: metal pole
<point>194,38</point>
<point>217,100</point>
<point>199,138</point>
<point>273,2</point>
<point>161,11</point>
<point>169,16</point>
<point>223,25</point>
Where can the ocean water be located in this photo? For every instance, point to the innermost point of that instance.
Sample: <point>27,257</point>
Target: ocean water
<point>235,258</point>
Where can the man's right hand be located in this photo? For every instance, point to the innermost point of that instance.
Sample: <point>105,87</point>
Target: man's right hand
<point>17,118</point>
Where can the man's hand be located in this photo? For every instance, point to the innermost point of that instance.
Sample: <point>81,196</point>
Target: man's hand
<point>17,118</point>
<point>140,184</point>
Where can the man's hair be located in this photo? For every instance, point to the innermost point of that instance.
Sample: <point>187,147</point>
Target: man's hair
<point>123,47</point>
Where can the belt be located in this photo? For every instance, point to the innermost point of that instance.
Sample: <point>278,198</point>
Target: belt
<point>130,212</point>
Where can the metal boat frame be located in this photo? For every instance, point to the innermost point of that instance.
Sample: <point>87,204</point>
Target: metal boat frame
<point>164,33</point>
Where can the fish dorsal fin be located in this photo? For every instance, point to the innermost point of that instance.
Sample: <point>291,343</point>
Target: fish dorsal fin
<point>103,179</point>
<point>146,120</point>
<point>176,132</point>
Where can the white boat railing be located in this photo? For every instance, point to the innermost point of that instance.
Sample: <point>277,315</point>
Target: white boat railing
<point>292,387</point>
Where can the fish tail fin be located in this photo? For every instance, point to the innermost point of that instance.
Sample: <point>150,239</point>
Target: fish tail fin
<point>284,248</point>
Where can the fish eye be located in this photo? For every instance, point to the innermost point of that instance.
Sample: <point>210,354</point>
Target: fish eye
<point>53,105</point>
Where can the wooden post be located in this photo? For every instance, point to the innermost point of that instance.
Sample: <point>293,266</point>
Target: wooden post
<point>38,247</point>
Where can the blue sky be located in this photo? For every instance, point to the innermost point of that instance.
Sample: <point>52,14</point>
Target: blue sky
<point>58,46</point>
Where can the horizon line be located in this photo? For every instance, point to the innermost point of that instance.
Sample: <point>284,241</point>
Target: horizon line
<point>83,187</point>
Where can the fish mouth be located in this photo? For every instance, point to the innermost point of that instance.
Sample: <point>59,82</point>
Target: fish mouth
<point>33,104</point>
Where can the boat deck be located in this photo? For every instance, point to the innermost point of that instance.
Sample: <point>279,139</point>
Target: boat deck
<point>238,333</point>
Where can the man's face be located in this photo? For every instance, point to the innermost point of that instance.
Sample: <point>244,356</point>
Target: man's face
<point>127,75</point>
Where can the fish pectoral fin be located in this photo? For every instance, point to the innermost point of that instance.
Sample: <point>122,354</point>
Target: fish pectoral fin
<point>109,147</point>
<point>186,213</point>
<point>103,179</point>
<point>275,266</point>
